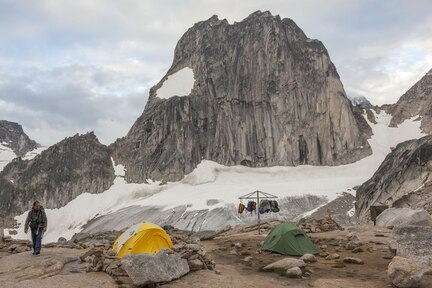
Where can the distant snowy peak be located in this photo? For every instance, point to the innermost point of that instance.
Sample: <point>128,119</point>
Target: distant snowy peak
<point>179,83</point>
<point>12,136</point>
<point>360,101</point>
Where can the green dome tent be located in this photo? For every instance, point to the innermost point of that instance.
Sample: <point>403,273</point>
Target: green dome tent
<point>288,239</point>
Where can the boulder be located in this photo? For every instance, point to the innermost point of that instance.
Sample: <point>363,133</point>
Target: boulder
<point>308,258</point>
<point>404,272</point>
<point>21,249</point>
<point>414,242</point>
<point>403,216</point>
<point>61,240</point>
<point>285,264</point>
<point>146,269</point>
<point>294,272</point>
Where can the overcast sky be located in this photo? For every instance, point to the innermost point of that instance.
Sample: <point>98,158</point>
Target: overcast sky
<point>77,66</point>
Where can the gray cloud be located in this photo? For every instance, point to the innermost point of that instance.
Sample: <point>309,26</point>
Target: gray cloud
<point>74,66</point>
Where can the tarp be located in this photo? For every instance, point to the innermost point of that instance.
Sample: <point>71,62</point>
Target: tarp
<point>288,239</point>
<point>143,238</point>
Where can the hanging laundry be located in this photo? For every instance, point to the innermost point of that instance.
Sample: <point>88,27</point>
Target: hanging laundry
<point>265,206</point>
<point>241,208</point>
<point>274,206</point>
<point>251,206</point>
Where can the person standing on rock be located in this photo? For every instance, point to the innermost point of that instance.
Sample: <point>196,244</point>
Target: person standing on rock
<point>37,221</point>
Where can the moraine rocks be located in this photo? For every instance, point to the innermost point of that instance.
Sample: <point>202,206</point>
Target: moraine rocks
<point>264,94</point>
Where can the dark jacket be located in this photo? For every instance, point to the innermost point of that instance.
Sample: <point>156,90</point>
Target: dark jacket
<point>36,219</point>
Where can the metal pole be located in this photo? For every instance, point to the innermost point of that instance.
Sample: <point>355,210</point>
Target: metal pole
<point>259,218</point>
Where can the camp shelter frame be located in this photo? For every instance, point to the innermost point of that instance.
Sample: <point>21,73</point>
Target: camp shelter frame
<point>258,195</point>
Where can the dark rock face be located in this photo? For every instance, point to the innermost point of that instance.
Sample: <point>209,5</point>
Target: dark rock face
<point>363,126</point>
<point>264,95</point>
<point>12,134</point>
<point>416,101</point>
<point>67,169</point>
<point>404,179</point>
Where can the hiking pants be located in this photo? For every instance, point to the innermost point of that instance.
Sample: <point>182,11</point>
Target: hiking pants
<point>37,235</point>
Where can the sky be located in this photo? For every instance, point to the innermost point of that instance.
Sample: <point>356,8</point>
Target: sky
<point>69,67</point>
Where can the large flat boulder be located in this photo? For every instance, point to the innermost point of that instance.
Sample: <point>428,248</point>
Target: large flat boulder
<point>414,242</point>
<point>146,269</point>
<point>403,216</point>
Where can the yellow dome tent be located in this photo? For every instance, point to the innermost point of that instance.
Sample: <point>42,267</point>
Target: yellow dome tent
<point>143,238</point>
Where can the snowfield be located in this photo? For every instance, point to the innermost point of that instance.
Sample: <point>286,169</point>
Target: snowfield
<point>178,84</point>
<point>6,155</point>
<point>225,184</point>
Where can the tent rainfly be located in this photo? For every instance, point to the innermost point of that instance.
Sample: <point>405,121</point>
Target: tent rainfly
<point>143,238</point>
<point>288,239</point>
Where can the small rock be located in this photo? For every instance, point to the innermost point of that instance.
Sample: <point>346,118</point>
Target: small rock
<point>247,259</point>
<point>323,247</point>
<point>308,258</point>
<point>218,272</point>
<point>193,247</point>
<point>357,250</point>
<point>335,256</point>
<point>324,254</point>
<point>238,245</point>
<point>111,253</point>
<point>195,264</point>
<point>352,260</point>
<point>233,252</point>
<point>352,245</point>
<point>294,272</point>
<point>285,264</point>
<point>93,251</point>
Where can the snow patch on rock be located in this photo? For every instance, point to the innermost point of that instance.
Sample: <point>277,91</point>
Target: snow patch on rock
<point>178,84</point>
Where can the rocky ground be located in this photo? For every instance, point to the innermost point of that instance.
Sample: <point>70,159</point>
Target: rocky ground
<point>357,256</point>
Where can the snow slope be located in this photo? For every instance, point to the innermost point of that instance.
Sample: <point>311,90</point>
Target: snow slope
<point>6,155</point>
<point>178,84</point>
<point>214,181</point>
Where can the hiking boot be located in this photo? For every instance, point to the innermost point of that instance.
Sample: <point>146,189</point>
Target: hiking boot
<point>37,253</point>
<point>34,253</point>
